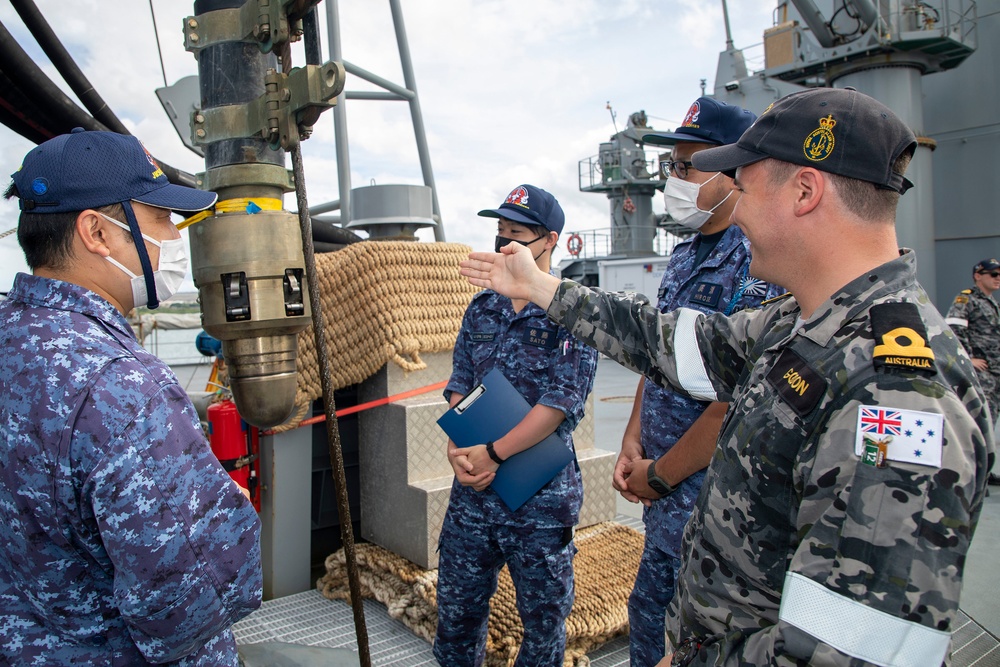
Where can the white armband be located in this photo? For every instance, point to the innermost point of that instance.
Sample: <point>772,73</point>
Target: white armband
<point>858,630</point>
<point>687,356</point>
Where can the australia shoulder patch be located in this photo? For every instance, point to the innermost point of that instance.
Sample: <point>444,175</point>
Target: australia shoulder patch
<point>900,338</point>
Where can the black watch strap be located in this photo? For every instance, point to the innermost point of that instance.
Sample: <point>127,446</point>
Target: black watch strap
<point>493,453</point>
<point>657,483</point>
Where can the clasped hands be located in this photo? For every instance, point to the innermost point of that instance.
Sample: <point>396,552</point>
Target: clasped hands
<point>629,478</point>
<point>472,465</point>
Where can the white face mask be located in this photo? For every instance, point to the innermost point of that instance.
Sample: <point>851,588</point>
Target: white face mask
<point>681,201</point>
<point>167,277</point>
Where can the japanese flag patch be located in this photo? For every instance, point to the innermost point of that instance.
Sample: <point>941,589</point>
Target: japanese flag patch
<point>893,434</point>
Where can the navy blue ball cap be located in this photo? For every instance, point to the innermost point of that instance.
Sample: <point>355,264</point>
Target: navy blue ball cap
<point>529,205</point>
<point>90,169</point>
<point>708,121</point>
<point>836,130</point>
<point>986,265</point>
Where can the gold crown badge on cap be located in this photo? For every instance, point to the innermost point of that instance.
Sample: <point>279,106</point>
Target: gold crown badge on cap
<point>819,144</point>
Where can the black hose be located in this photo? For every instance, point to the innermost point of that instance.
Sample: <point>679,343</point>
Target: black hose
<point>310,30</point>
<point>67,67</point>
<point>21,115</point>
<point>327,232</point>
<point>33,83</point>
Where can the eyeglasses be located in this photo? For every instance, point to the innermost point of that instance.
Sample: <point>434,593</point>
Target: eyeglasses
<point>994,274</point>
<point>678,167</point>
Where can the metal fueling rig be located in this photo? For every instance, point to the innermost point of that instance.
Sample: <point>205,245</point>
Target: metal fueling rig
<point>247,258</point>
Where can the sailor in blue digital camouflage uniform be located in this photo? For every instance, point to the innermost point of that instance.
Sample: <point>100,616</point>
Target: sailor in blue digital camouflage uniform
<point>554,373</point>
<point>124,542</point>
<point>836,516</point>
<point>708,272</point>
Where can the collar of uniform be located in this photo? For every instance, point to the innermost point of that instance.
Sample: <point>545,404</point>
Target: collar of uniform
<point>60,295</point>
<point>731,239</point>
<point>861,293</point>
<point>500,303</point>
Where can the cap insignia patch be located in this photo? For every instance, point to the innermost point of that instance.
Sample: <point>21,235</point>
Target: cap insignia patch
<point>819,144</point>
<point>157,171</point>
<point>691,119</point>
<point>518,197</point>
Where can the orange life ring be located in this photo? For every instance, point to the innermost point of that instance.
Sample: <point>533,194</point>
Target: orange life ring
<point>574,244</point>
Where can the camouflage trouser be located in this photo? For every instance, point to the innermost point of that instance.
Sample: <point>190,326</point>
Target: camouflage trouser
<point>647,607</point>
<point>990,382</point>
<point>540,561</point>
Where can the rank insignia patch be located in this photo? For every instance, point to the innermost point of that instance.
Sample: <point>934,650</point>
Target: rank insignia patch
<point>900,338</point>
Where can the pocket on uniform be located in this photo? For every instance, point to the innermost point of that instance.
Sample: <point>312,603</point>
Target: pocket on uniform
<point>560,562</point>
<point>534,358</point>
<point>884,513</point>
<point>482,352</point>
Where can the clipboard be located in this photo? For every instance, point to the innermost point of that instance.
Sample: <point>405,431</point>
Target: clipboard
<point>489,412</point>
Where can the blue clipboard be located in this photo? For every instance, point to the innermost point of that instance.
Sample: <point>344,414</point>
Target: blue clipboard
<point>489,412</point>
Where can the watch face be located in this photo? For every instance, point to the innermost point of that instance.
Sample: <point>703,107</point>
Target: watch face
<point>659,487</point>
<point>656,483</point>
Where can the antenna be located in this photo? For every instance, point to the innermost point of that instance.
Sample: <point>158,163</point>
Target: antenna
<point>729,34</point>
<point>613,116</point>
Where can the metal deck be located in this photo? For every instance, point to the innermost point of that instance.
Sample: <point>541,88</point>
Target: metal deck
<point>310,619</point>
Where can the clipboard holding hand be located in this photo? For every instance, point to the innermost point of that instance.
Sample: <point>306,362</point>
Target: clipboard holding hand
<point>489,412</point>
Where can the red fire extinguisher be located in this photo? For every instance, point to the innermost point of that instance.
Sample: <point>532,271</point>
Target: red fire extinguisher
<point>236,444</point>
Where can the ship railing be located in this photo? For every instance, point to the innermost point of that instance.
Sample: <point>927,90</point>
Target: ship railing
<point>602,242</point>
<point>618,168</point>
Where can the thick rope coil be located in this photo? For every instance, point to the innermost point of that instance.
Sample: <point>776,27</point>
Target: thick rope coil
<point>383,301</point>
<point>604,570</point>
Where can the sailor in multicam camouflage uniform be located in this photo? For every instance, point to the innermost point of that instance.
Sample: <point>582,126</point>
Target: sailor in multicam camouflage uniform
<point>974,316</point>
<point>709,273</point>
<point>837,513</point>
<point>124,540</point>
<point>554,373</point>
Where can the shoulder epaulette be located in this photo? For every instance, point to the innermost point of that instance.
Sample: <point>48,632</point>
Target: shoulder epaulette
<point>775,299</point>
<point>966,291</point>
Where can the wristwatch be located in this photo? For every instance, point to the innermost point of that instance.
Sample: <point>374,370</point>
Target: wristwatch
<point>493,453</point>
<point>657,483</point>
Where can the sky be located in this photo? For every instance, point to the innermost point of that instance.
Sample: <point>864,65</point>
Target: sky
<point>512,91</point>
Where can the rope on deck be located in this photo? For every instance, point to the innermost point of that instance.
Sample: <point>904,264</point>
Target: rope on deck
<point>382,301</point>
<point>605,567</point>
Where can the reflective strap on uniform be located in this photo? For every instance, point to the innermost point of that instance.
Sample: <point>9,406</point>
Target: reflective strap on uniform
<point>956,322</point>
<point>690,367</point>
<point>858,630</point>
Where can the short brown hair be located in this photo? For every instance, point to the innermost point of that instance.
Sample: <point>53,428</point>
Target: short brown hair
<point>865,200</point>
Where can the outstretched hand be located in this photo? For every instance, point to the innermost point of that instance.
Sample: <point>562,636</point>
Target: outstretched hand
<point>512,272</point>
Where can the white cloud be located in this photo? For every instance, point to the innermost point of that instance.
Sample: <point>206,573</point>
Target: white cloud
<point>511,91</point>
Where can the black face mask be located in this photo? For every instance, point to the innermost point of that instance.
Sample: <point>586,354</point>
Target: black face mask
<point>502,241</point>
